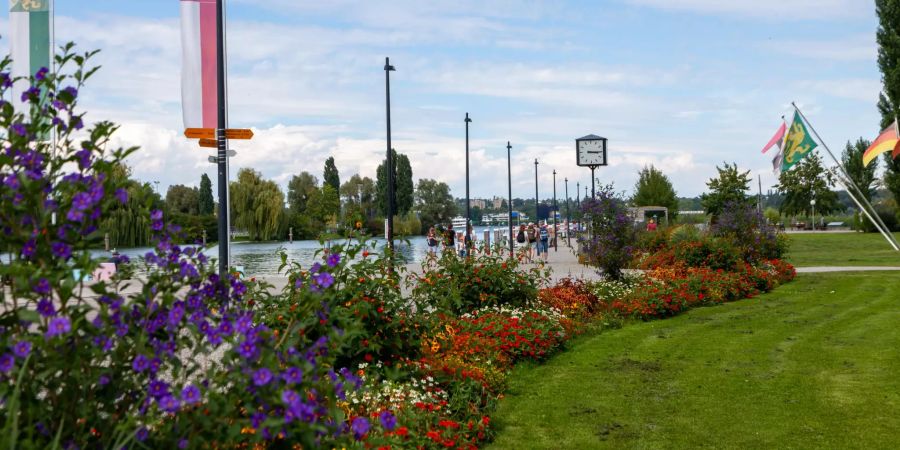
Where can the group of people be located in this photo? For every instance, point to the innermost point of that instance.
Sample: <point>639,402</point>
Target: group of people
<point>533,238</point>
<point>441,240</point>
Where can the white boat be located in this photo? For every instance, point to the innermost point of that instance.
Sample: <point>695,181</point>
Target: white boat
<point>459,223</point>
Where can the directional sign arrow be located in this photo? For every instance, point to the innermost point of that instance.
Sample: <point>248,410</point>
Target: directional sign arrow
<point>210,143</point>
<point>215,159</point>
<point>200,133</point>
<point>238,133</point>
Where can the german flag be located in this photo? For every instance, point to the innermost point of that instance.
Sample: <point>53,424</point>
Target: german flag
<point>887,141</point>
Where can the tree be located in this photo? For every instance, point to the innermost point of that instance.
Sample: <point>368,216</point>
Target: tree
<point>403,185</point>
<point>806,181</point>
<point>256,204</point>
<point>299,190</point>
<point>326,206</point>
<point>128,224</point>
<point>434,202</point>
<point>730,186</point>
<point>653,188</point>
<point>358,194</point>
<point>888,38</point>
<point>206,205</point>
<point>610,243</point>
<point>331,176</point>
<point>863,176</point>
<point>183,199</point>
<point>404,179</point>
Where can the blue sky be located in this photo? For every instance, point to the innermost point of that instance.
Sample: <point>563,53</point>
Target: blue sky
<point>680,84</point>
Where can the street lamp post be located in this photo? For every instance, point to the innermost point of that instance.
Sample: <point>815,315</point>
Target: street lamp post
<point>509,200</point>
<point>468,238</point>
<point>577,194</point>
<point>555,229</point>
<point>568,215</point>
<point>536,212</point>
<point>389,166</point>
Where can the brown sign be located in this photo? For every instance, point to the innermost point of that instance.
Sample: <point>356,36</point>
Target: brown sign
<point>211,143</point>
<point>200,133</point>
<point>237,133</point>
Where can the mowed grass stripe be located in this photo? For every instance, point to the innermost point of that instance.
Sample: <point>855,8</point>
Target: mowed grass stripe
<point>813,365</point>
<point>841,249</point>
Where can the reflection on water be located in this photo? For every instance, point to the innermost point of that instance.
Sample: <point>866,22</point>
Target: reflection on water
<point>262,258</point>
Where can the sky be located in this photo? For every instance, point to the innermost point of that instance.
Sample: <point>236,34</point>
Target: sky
<point>684,85</point>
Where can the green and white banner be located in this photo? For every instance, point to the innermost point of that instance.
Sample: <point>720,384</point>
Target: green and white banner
<point>29,40</point>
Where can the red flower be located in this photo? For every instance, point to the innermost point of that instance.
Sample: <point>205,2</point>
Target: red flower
<point>402,431</point>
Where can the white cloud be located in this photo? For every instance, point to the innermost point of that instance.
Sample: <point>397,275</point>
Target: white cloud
<point>864,90</point>
<point>776,10</point>
<point>845,49</point>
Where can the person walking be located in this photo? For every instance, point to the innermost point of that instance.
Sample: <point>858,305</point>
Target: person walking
<point>432,241</point>
<point>522,240</point>
<point>532,241</point>
<point>469,239</point>
<point>543,242</point>
<point>450,239</point>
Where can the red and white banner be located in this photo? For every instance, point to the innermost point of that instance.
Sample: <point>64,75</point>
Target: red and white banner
<point>199,63</point>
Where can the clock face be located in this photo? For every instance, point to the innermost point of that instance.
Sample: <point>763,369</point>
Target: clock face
<point>591,153</point>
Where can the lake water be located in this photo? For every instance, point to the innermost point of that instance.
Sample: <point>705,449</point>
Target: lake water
<point>262,258</point>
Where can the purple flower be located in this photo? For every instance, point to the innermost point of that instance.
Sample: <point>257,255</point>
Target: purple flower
<point>324,280</point>
<point>158,389</point>
<point>257,419</point>
<point>262,377</point>
<point>42,287</point>
<point>183,443</point>
<point>293,375</point>
<point>81,201</point>
<point>19,129</point>
<point>29,248</point>
<point>84,158</point>
<point>7,362</point>
<point>140,363</point>
<point>244,323</point>
<point>141,434</point>
<point>247,349</point>
<point>5,80</point>
<point>41,73</point>
<point>31,94</point>
<point>388,420</point>
<point>298,284</point>
<point>315,268</point>
<point>58,326</point>
<point>290,397</point>
<point>45,308</point>
<point>71,91</point>
<point>61,250</point>
<point>360,427</point>
<point>22,349</point>
<point>333,260</point>
<point>122,196</point>
<point>190,395</point>
<point>156,215</point>
<point>75,215</point>
<point>169,404</point>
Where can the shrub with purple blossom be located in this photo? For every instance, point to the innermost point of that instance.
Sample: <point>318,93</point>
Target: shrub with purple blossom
<point>611,238</point>
<point>749,231</point>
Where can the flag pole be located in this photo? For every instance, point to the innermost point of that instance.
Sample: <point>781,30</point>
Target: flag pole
<point>873,216</point>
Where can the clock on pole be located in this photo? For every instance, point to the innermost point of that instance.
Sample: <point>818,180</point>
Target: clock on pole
<point>590,152</point>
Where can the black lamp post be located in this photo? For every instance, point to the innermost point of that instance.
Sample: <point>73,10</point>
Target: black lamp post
<point>577,194</point>
<point>568,215</point>
<point>468,238</point>
<point>536,212</point>
<point>509,200</point>
<point>555,230</point>
<point>222,146</point>
<point>388,68</point>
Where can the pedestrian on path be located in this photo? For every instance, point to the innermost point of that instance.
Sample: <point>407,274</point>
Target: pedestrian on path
<point>433,241</point>
<point>532,240</point>
<point>543,243</point>
<point>450,239</point>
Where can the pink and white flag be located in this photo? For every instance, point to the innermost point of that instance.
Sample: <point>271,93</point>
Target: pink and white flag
<point>778,138</point>
<point>199,80</point>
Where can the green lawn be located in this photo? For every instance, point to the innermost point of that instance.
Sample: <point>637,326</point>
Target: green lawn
<point>815,364</point>
<point>842,249</point>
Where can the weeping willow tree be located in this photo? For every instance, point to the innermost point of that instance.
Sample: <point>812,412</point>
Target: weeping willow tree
<point>256,204</point>
<point>128,225</point>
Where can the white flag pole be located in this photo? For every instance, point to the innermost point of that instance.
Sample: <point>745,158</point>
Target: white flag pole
<point>873,216</point>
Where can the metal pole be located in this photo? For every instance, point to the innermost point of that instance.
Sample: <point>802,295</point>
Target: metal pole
<point>468,238</point>
<point>593,188</point>
<point>536,201</point>
<point>568,215</point>
<point>577,194</point>
<point>555,230</point>
<point>222,145</point>
<point>389,165</point>
<point>509,200</point>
